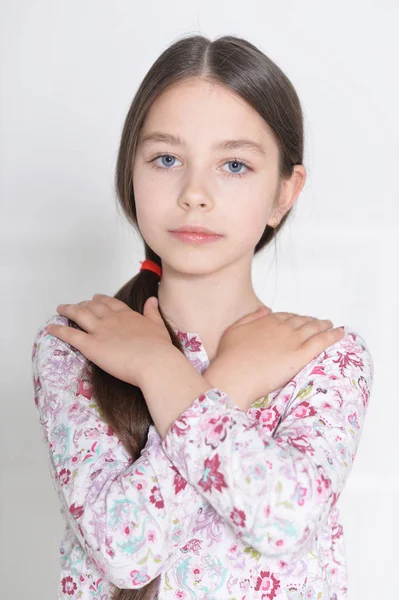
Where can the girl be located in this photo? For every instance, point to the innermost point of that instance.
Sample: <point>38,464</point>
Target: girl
<point>199,445</point>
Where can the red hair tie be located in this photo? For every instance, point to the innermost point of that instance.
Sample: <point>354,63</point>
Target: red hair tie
<point>150,265</point>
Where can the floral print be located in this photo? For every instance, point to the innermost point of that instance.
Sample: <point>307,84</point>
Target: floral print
<point>230,505</point>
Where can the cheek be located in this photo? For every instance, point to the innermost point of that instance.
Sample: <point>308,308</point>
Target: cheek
<point>147,215</point>
<point>252,231</point>
<point>152,217</point>
<point>148,201</point>
<point>249,219</point>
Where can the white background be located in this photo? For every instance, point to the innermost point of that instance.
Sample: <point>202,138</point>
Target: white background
<point>68,73</point>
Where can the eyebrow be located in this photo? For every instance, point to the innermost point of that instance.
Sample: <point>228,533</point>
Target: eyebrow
<point>176,140</point>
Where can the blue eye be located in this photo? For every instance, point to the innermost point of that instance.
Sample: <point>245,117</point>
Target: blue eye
<point>234,161</point>
<point>237,162</point>
<point>162,156</point>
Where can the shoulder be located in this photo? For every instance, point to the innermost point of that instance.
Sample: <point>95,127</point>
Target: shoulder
<point>351,354</point>
<point>349,358</point>
<point>49,350</point>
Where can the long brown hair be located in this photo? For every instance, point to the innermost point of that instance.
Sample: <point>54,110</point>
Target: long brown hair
<point>237,64</point>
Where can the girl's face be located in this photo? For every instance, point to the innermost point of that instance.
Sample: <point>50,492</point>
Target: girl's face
<point>229,190</point>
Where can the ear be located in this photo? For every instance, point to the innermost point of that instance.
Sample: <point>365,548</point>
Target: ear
<point>288,192</point>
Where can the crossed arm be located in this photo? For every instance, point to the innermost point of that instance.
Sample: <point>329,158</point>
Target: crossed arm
<point>273,489</point>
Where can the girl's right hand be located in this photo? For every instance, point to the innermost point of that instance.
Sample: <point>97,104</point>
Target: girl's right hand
<point>263,351</point>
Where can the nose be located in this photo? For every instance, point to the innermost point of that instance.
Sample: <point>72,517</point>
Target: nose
<point>195,196</point>
<point>192,203</point>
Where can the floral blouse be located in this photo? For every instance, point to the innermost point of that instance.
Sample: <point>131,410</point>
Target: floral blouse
<point>230,505</point>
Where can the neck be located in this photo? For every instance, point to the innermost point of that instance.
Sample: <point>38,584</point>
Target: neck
<point>207,304</point>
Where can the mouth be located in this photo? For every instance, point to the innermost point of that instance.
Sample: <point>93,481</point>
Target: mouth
<point>195,237</point>
<point>194,229</point>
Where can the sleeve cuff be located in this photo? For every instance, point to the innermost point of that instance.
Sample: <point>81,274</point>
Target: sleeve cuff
<point>188,432</point>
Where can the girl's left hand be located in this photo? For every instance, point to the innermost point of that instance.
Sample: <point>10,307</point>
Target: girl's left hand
<point>119,340</point>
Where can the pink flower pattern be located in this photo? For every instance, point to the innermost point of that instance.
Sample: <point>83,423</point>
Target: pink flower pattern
<point>231,504</point>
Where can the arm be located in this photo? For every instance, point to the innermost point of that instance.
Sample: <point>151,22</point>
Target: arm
<point>169,385</point>
<point>131,518</point>
<point>276,488</point>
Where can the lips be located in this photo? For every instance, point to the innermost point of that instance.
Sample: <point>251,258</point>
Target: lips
<point>191,237</point>
<point>195,229</point>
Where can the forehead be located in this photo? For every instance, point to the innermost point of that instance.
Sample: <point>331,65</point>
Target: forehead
<point>203,112</point>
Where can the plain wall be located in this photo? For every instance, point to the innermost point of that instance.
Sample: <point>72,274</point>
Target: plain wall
<point>68,73</point>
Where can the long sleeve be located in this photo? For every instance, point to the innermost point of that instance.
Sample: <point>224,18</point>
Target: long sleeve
<point>130,517</point>
<point>274,473</point>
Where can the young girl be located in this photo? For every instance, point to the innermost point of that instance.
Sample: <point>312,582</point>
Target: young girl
<point>199,445</point>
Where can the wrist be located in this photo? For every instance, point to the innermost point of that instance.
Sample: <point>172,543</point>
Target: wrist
<point>224,376</point>
<point>169,386</point>
<point>165,357</point>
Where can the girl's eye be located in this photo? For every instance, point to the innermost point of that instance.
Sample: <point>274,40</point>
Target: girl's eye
<point>168,163</point>
<point>235,162</point>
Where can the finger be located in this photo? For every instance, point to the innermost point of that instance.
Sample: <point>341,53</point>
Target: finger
<point>98,308</point>
<point>283,316</point>
<point>321,341</point>
<point>263,309</point>
<point>113,303</point>
<point>296,321</point>
<point>71,336</point>
<point>150,309</point>
<point>247,319</point>
<point>260,312</point>
<point>314,326</point>
<point>80,314</point>
<point>299,321</point>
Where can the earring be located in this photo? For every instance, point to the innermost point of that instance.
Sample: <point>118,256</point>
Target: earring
<point>275,222</point>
